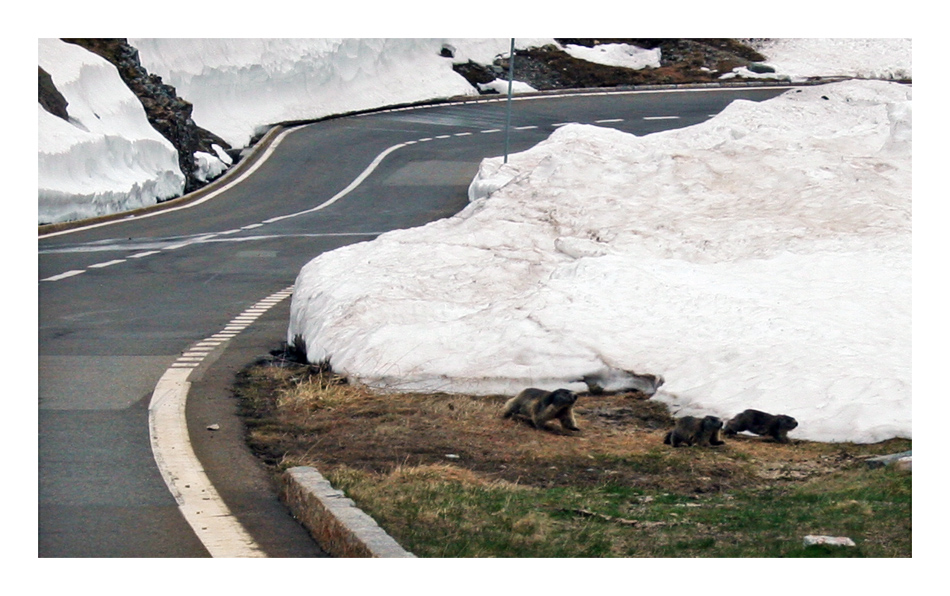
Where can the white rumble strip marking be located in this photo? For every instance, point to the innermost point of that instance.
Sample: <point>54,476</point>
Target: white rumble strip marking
<point>199,502</point>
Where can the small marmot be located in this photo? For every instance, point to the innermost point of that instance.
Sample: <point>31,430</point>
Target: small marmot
<point>691,430</point>
<point>540,407</point>
<point>762,423</point>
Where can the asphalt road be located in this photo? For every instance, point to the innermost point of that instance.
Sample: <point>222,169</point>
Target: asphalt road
<point>119,304</point>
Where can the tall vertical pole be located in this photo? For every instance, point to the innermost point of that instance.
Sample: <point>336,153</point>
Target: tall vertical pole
<point>511,74</point>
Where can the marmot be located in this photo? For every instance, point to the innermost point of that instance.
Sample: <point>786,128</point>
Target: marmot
<point>762,423</point>
<point>540,406</point>
<point>691,430</point>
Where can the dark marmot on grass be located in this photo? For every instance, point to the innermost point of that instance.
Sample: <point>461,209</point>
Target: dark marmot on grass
<point>540,407</point>
<point>762,423</point>
<point>691,430</point>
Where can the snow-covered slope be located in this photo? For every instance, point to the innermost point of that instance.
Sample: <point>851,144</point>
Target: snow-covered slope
<point>758,260</point>
<point>800,58</point>
<point>617,54</point>
<point>107,158</point>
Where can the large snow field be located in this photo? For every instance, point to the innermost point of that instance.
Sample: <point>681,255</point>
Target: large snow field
<point>761,259</point>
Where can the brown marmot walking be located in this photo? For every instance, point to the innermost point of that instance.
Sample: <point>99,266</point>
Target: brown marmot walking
<point>540,407</point>
<point>691,430</point>
<point>762,423</point>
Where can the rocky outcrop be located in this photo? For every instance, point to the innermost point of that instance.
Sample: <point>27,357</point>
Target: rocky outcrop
<point>50,98</point>
<point>169,114</point>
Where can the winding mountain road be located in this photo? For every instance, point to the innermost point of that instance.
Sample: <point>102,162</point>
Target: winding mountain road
<point>131,312</point>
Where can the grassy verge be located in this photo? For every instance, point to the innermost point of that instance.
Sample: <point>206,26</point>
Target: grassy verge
<point>447,477</point>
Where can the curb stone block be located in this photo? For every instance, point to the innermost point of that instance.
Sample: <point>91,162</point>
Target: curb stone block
<point>334,521</point>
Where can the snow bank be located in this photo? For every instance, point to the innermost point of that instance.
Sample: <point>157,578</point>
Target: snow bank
<point>758,260</point>
<point>501,86</point>
<point>800,58</point>
<point>211,166</point>
<point>107,158</point>
<point>617,54</point>
<point>239,86</point>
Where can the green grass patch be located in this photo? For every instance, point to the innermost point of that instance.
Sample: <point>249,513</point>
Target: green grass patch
<point>441,511</point>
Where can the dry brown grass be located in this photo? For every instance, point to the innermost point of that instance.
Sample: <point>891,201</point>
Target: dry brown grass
<point>303,415</point>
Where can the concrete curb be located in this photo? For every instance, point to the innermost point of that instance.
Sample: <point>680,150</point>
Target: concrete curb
<point>334,521</point>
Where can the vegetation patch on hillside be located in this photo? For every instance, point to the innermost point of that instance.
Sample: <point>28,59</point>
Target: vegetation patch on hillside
<point>447,476</point>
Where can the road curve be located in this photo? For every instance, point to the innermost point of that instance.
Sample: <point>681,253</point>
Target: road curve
<point>124,304</point>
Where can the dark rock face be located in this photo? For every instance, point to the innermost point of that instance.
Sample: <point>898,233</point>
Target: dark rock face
<point>478,74</point>
<point>50,97</point>
<point>169,114</point>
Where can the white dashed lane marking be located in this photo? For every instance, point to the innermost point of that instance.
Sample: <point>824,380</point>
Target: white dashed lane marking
<point>106,264</point>
<point>65,275</point>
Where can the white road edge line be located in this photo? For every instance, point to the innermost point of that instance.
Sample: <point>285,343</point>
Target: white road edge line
<point>201,505</point>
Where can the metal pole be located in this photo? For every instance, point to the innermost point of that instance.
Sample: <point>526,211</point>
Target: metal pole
<point>511,74</point>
